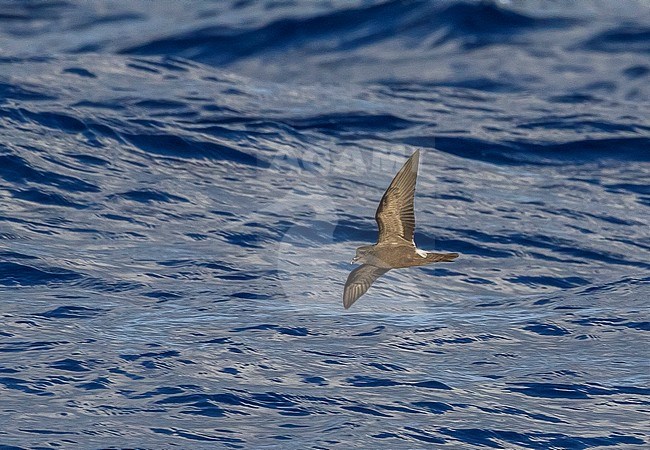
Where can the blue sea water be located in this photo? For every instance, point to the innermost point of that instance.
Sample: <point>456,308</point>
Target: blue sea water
<point>183,184</point>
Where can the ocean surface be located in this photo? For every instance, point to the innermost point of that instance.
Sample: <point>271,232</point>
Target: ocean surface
<point>183,185</point>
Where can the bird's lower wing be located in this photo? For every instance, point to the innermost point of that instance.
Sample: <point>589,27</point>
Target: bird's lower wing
<point>359,281</point>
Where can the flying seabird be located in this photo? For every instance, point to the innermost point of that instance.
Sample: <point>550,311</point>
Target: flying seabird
<point>395,247</point>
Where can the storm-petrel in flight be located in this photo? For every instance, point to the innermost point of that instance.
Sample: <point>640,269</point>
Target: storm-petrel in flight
<point>395,247</point>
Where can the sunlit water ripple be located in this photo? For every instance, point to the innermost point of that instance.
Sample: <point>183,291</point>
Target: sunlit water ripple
<point>182,189</point>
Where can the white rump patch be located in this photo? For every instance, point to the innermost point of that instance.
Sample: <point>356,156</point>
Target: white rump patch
<point>421,253</point>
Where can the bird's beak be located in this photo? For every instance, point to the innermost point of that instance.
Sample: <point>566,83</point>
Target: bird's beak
<point>355,259</point>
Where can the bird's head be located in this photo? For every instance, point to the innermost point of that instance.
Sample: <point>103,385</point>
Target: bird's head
<point>362,254</point>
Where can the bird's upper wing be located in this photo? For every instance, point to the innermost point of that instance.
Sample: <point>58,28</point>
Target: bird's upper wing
<point>395,215</point>
<point>359,281</point>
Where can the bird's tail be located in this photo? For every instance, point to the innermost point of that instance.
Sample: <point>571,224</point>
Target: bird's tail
<point>440,257</point>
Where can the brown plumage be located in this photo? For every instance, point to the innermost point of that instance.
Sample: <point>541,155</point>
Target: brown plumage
<point>395,247</point>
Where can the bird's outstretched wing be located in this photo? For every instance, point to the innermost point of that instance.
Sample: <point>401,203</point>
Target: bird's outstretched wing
<point>395,215</point>
<point>359,281</point>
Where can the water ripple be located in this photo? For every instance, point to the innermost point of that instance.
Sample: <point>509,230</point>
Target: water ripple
<point>179,206</point>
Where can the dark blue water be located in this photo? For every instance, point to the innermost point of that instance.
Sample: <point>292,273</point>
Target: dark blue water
<point>182,186</point>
